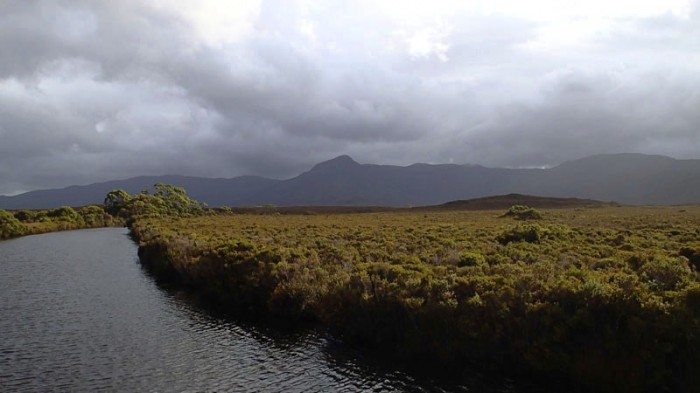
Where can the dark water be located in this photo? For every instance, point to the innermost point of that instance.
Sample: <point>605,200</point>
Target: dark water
<point>78,313</point>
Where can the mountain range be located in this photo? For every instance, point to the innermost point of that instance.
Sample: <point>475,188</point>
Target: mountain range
<point>624,178</point>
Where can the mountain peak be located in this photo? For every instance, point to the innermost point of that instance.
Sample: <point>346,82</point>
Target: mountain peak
<point>344,159</point>
<point>339,162</point>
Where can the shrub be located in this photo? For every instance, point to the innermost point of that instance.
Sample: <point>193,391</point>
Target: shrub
<point>666,272</point>
<point>95,216</point>
<point>471,259</point>
<point>521,233</point>
<point>521,212</point>
<point>10,226</point>
<point>26,215</point>
<point>166,200</point>
<point>693,256</point>
<point>65,213</point>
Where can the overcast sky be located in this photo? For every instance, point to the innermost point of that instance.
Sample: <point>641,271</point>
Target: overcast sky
<point>98,90</point>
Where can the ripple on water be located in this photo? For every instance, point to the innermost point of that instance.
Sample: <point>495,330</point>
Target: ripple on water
<point>79,314</point>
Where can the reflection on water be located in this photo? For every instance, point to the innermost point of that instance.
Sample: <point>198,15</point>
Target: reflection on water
<point>78,313</point>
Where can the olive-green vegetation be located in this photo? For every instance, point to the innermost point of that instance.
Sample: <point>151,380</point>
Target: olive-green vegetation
<point>10,226</point>
<point>608,298</point>
<point>119,208</point>
<point>166,200</point>
<point>30,222</point>
<point>520,212</point>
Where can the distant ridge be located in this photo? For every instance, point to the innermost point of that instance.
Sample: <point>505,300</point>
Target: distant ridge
<point>625,178</point>
<point>505,201</point>
<point>496,202</point>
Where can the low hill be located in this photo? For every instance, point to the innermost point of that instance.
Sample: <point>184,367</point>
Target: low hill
<point>500,202</point>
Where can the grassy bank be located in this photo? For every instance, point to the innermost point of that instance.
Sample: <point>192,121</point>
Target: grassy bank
<point>608,298</point>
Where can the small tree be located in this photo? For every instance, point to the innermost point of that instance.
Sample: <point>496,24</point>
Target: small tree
<point>175,200</point>
<point>166,200</point>
<point>116,201</point>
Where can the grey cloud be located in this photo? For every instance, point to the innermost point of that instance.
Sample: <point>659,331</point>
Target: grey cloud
<point>585,114</point>
<point>93,91</point>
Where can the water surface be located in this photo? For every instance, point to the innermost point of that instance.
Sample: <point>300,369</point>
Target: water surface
<point>78,313</point>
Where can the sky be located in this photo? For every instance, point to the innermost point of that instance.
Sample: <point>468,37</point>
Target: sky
<point>96,90</point>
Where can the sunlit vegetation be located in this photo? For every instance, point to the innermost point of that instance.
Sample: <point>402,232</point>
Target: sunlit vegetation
<point>10,226</point>
<point>119,209</point>
<point>520,212</point>
<point>606,297</point>
<point>165,200</point>
<point>29,222</point>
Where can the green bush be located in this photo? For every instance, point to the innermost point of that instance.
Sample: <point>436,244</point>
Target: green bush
<point>10,226</point>
<point>471,259</point>
<point>693,256</point>
<point>95,216</point>
<point>521,212</point>
<point>166,200</point>
<point>666,272</point>
<point>26,215</point>
<point>521,233</point>
<point>65,213</point>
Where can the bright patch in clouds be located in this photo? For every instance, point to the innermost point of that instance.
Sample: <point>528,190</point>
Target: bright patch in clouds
<point>217,22</point>
<point>426,42</point>
<point>556,10</point>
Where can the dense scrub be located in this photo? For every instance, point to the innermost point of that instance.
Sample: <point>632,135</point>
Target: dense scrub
<point>119,209</point>
<point>608,297</point>
<point>29,222</point>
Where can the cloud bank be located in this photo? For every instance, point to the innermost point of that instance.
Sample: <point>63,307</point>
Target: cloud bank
<point>99,90</point>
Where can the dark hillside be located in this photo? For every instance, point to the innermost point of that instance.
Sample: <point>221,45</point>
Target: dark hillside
<point>501,202</point>
<point>624,178</point>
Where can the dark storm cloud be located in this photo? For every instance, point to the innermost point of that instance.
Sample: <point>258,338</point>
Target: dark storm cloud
<point>93,91</point>
<point>582,114</point>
